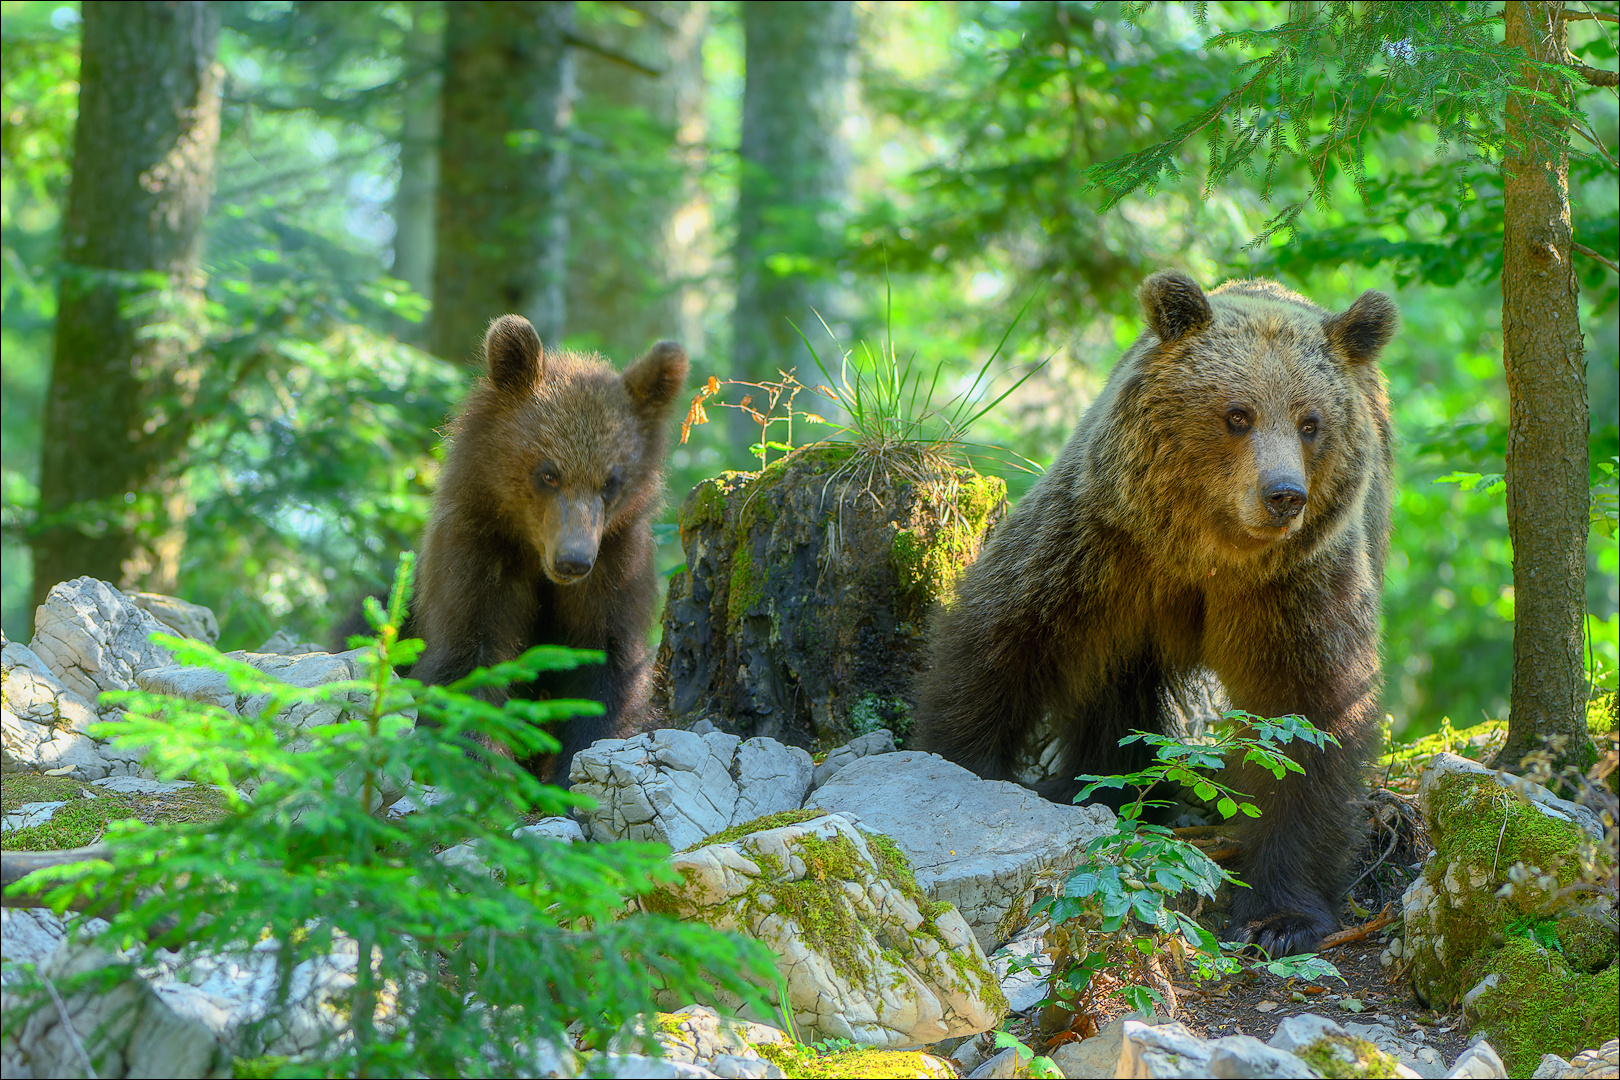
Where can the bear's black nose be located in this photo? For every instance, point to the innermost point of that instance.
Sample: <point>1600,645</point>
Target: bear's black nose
<point>571,564</point>
<point>1285,499</point>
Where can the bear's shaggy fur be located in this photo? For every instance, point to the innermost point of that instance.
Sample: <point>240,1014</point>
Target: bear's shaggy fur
<point>1222,505</point>
<point>540,533</point>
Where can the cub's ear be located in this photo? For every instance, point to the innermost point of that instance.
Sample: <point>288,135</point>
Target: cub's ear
<point>512,351</point>
<point>1364,330</point>
<point>1174,305</point>
<point>655,379</point>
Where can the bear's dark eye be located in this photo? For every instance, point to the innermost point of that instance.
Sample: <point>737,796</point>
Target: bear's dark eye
<point>546,475</point>
<point>610,490</point>
<point>1307,429</point>
<point>1238,421</point>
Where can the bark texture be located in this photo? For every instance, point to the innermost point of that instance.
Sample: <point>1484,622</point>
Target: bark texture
<point>122,375</point>
<point>1547,450</point>
<point>502,236</point>
<point>792,182</point>
<point>801,611</point>
<point>642,219</point>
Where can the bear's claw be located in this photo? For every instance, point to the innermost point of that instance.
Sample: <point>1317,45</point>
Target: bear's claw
<point>1283,933</point>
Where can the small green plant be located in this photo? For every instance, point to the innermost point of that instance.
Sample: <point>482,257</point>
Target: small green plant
<point>465,967</point>
<point>1117,908</point>
<point>889,403</point>
<point>1036,1065</point>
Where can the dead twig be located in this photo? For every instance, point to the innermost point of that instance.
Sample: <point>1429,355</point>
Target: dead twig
<point>1356,933</point>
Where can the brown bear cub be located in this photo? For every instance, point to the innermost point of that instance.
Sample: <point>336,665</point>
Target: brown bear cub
<point>1222,505</point>
<point>541,527</point>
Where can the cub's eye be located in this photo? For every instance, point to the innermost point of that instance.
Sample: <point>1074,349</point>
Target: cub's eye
<point>1307,430</point>
<point>610,490</point>
<point>547,476</point>
<point>1238,421</point>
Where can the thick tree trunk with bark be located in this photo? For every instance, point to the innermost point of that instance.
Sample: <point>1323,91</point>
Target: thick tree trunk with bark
<point>502,232</point>
<point>117,412</point>
<point>1547,451</point>
<point>792,183</point>
<point>638,248</point>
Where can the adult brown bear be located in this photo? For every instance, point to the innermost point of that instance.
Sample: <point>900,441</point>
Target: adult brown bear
<point>541,534</point>
<point>1223,504</point>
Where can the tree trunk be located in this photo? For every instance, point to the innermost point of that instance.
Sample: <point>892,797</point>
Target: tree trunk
<point>1547,450</point>
<point>122,380</point>
<point>502,227</point>
<point>419,150</point>
<point>636,256</point>
<point>791,185</point>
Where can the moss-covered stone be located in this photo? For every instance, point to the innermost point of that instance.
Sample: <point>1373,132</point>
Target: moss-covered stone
<point>929,560</point>
<point>759,824</point>
<point>801,609</point>
<point>1540,1006</point>
<point>801,1061</point>
<point>1336,1056</point>
<point>90,809</point>
<point>861,948</point>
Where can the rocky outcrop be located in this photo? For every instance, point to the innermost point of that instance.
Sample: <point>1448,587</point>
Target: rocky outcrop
<point>866,957</point>
<point>680,788</point>
<point>983,846</point>
<point>1493,923</point>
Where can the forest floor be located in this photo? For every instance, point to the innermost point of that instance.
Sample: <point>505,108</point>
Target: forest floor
<point>1253,1002</point>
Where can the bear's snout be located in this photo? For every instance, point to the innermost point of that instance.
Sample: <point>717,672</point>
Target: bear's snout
<point>1284,496</point>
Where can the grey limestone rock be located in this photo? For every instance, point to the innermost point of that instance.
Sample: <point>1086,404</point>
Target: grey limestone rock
<point>1298,1032</point>
<point>1098,1056</point>
<point>127,1030</point>
<point>880,741</point>
<point>184,619</point>
<point>1165,1051</point>
<point>44,726</point>
<point>681,788</point>
<point>982,845</point>
<point>898,979</point>
<point>1243,1057</point>
<point>94,638</point>
<point>1478,1062</point>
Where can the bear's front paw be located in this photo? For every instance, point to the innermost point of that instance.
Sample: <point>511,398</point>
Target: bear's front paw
<point>1284,933</point>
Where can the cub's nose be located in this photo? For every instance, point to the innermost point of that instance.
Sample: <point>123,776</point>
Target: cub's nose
<point>1285,499</point>
<point>573,563</point>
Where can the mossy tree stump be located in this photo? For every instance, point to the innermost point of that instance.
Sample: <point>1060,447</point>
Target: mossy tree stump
<point>803,605</point>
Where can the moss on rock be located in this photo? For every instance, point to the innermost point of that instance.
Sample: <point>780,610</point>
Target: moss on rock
<point>1336,1056</point>
<point>803,1062</point>
<point>1540,1006</point>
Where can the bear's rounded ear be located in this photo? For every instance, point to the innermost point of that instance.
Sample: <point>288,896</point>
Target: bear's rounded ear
<point>1364,330</point>
<point>512,352</point>
<point>655,379</point>
<point>1174,305</point>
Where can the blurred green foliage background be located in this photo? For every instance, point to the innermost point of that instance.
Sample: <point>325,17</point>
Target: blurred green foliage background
<point>969,130</point>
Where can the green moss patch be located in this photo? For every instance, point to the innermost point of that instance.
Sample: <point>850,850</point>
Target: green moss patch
<point>1348,1056</point>
<point>803,1062</point>
<point>89,810</point>
<point>760,824</point>
<point>928,561</point>
<point>1540,1006</point>
<point>817,903</point>
<point>17,789</point>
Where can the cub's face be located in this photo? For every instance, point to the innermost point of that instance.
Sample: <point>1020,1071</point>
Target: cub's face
<point>576,448</point>
<point>1266,399</point>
